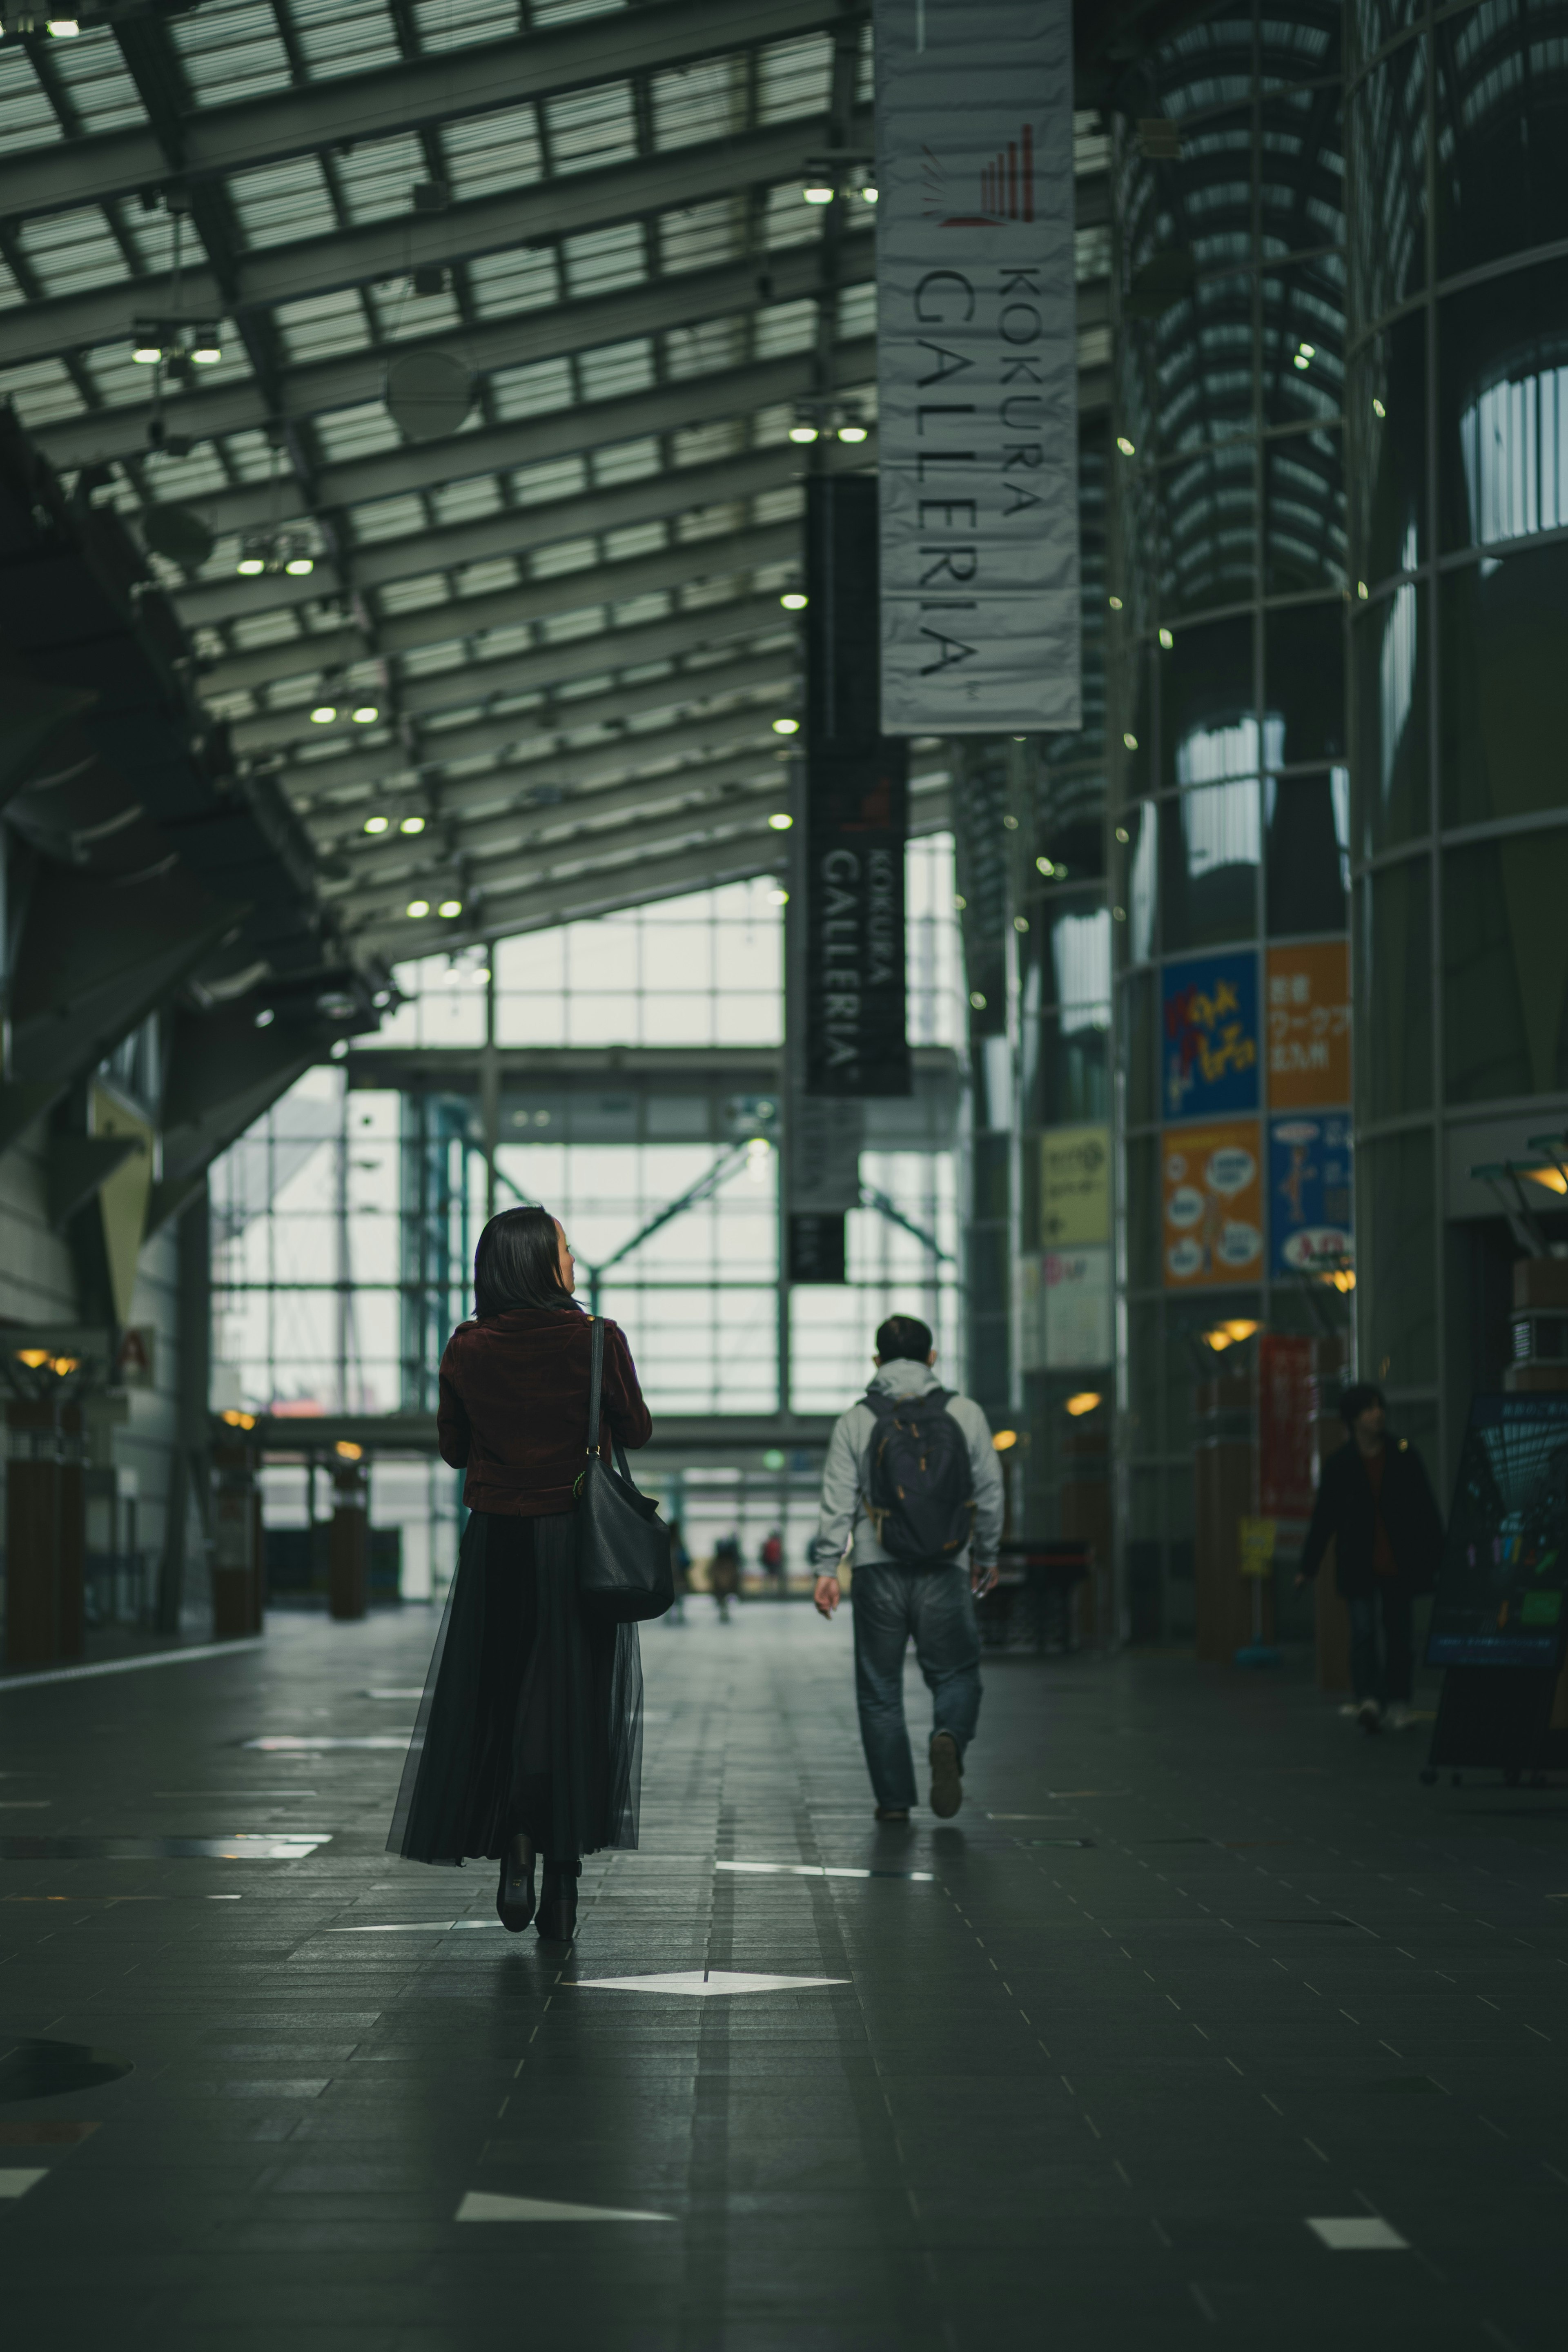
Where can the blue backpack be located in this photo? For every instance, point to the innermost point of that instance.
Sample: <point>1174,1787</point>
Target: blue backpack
<point>919,1490</point>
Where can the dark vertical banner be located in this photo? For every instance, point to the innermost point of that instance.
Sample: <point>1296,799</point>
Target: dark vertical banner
<point>851,1002</point>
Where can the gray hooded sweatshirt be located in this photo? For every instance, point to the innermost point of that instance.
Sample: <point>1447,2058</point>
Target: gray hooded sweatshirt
<point>844,1479</point>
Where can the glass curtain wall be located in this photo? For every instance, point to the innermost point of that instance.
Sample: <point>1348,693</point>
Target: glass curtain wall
<point>1457,409</point>
<point>1229,783</point>
<point>344,1221</point>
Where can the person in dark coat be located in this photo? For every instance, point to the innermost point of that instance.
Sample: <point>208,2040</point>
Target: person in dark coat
<point>529,1740</point>
<point>1375,1506</point>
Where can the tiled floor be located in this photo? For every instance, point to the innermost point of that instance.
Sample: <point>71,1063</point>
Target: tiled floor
<point>1207,2021</point>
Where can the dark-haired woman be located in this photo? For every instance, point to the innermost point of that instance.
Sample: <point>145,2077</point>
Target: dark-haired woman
<point>529,1743</point>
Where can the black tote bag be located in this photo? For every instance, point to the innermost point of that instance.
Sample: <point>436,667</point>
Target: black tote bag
<point>625,1570</point>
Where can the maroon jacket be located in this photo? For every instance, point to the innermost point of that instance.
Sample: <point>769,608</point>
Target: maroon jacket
<point>514,1407</point>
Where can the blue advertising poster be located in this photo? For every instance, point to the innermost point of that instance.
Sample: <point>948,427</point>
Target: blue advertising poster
<point>1209,1048</point>
<point>1309,1191</point>
<point>1501,1588</point>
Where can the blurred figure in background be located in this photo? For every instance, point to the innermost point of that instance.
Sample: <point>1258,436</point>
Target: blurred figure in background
<point>771,1560</point>
<point>724,1573</point>
<point>1376,1508</point>
<point>681,1560</point>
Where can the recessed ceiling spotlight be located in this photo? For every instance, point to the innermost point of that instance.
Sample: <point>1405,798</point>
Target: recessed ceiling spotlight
<point>299,567</point>
<point>450,906</point>
<point>417,908</point>
<point>852,433</point>
<point>794,602</point>
<point>803,433</point>
<point>366,715</point>
<point>376,823</point>
<point>323,714</point>
<point>147,354</point>
<point>412,824</point>
<point>819,192</point>
<point>781,822</point>
<point>786,727</point>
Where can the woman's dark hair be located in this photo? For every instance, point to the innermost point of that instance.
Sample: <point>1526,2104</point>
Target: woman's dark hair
<point>1359,1398</point>
<point>518,1264</point>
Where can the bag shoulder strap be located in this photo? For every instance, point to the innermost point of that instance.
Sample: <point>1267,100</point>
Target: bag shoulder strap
<point>595,1380</point>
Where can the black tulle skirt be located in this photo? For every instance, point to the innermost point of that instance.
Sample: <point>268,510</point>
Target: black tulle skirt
<point>531,1717</point>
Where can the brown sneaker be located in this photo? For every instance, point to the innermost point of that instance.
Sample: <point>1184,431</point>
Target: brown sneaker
<point>946,1776</point>
<point>892,1812</point>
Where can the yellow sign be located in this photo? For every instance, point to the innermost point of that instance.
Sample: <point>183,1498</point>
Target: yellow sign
<point>1075,1187</point>
<point>1258,1545</point>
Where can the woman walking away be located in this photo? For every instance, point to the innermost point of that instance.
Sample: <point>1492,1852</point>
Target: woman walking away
<point>529,1741</point>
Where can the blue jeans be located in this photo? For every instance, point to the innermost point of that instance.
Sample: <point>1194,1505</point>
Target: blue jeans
<point>1388,1680</point>
<point>934,1607</point>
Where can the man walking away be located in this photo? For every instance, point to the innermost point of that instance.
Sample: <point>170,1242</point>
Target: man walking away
<point>1376,1508</point>
<point>912,1493</point>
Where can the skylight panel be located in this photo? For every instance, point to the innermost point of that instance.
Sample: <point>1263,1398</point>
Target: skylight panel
<point>378,179</point>
<point>417,596</point>
<point>566,12</point>
<point>101,91</point>
<point>41,394</point>
<point>564,628</point>
<point>467,501</point>
<point>282,202</point>
<point>700,444</point>
<point>787,218</point>
<point>269,628</point>
<point>458,24</point>
<point>338,39</point>
<point>618,368</point>
<point>707,100</point>
<point>231,49</point>
<point>634,539</point>
<point>557,478</point>
<point>534,390</point>
<point>698,350</point>
<point>591,128</point>
<point>626,461</point>
<point>857,313</point>
<point>778,506</point>
<point>701,235</point>
<point>494,152</point>
<point>785,327</point>
<point>483,579</point>
<point>603,259</point>
<point>414,316</point>
<point>357,433</point>
<point>793,78</point>
<point>26,118</point>
<point>635,610</point>
<point>565,555</point>
<point>250,455</point>
<point>10,292</point>
<point>502,284</point>
<point>69,252</point>
<point>321,326</point>
<point>387,519</point>
<point>427,661</point>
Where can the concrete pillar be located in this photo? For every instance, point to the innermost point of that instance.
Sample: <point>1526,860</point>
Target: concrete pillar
<point>234,1522</point>
<point>32,1532</point>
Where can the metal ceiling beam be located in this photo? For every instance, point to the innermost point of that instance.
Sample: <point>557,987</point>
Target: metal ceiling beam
<point>511,864</point>
<point>475,821</point>
<point>317,786</point>
<point>518,531</point>
<point>416,94</point>
<point>589,656</point>
<point>383,251</point>
<point>471,683</point>
<point>546,905</point>
<point>581,828</point>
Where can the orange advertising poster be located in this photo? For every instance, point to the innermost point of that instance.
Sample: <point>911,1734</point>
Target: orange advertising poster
<point>1308,1016</point>
<point>1212,1184</point>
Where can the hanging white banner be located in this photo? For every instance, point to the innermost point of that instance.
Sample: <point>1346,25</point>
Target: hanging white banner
<point>977,367</point>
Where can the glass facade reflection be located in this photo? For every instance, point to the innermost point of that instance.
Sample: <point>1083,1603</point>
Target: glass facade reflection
<point>1230,788</point>
<point>1456,414</point>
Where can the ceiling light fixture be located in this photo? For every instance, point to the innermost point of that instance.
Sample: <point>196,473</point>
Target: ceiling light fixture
<point>206,350</point>
<point>323,714</point>
<point>366,715</point>
<point>786,727</point>
<point>412,824</point>
<point>803,433</point>
<point>1166,639</point>
<point>1085,1402</point>
<point>780,822</point>
<point>819,192</point>
<point>417,908</point>
<point>250,567</point>
<point>299,567</point>
<point>147,354</point>
<point>852,433</point>
<point>376,823</point>
<point>63,28</point>
<point>794,602</point>
<point>450,906</point>
<point>1126,447</point>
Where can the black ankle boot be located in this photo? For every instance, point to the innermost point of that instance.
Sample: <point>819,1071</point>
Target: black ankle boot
<point>514,1895</point>
<point>557,1918</point>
